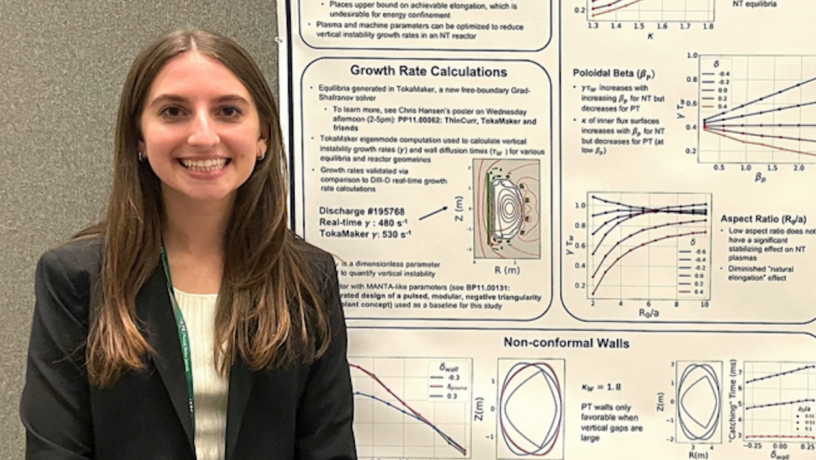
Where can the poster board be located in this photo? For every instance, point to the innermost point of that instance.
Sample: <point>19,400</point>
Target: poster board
<point>567,229</point>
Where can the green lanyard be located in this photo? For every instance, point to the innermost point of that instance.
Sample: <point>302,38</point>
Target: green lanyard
<point>183,338</point>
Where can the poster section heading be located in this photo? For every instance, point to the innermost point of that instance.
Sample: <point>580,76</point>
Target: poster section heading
<point>436,204</point>
<point>436,25</point>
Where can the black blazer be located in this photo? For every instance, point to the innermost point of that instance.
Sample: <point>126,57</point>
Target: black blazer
<point>304,412</point>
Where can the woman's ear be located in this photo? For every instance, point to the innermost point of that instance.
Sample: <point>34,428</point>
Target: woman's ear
<point>141,148</point>
<point>263,143</point>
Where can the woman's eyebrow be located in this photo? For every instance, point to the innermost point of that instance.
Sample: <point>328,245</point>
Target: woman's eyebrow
<point>231,98</point>
<point>163,98</point>
<point>166,98</point>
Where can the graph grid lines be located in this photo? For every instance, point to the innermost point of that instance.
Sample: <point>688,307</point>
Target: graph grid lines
<point>412,407</point>
<point>757,109</point>
<point>780,401</point>
<point>650,10</point>
<point>648,246</point>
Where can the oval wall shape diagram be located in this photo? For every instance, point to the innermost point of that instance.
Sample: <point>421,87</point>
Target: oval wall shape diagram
<point>530,409</point>
<point>698,402</point>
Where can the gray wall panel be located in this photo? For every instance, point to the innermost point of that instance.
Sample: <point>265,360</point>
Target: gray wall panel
<point>62,64</point>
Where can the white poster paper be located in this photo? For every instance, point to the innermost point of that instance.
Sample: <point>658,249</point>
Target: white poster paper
<point>564,230</point>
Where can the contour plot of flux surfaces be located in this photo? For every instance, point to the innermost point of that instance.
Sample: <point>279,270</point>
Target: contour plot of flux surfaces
<point>780,401</point>
<point>418,408</point>
<point>651,10</point>
<point>699,402</point>
<point>506,209</point>
<point>648,246</point>
<point>757,109</point>
<point>531,409</point>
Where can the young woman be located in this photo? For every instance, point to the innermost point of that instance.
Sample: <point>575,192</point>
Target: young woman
<point>190,323</point>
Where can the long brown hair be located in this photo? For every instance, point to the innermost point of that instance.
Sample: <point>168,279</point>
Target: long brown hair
<point>269,310</point>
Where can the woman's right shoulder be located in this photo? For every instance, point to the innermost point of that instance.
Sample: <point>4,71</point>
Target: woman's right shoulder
<point>79,254</point>
<point>70,272</point>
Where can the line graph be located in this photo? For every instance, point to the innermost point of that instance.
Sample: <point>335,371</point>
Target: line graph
<point>780,400</point>
<point>651,10</point>
<point>648,246</point>
<point>412,407</point>
<point>757,109</point>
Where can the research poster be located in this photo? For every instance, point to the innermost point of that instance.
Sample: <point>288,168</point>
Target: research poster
<point>576,229</point>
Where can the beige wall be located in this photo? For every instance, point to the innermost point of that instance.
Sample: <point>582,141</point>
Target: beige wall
<point>61,67</point>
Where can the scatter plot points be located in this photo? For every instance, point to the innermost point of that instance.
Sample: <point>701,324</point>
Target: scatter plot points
<point>651,10</point>
<point>648,245</point>
<point>780,400</point>
<point>757,109</point>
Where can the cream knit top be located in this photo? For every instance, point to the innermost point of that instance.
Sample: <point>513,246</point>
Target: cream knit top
<point>209,387</point>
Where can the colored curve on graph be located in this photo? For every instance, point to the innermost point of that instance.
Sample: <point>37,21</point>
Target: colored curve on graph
<point>519,437</point>
<point>720,116</point>
<point>752,124</point>
<point>631,235</point>
<point>404,408</point>
<point>772,394</point>
<point>626,212</point>
<point>781,374</point>
<point>611,7</point>
<point>650,10</point>
<point>784,403</point>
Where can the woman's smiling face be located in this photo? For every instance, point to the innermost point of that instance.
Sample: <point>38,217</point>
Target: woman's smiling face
<point>200,130</point>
